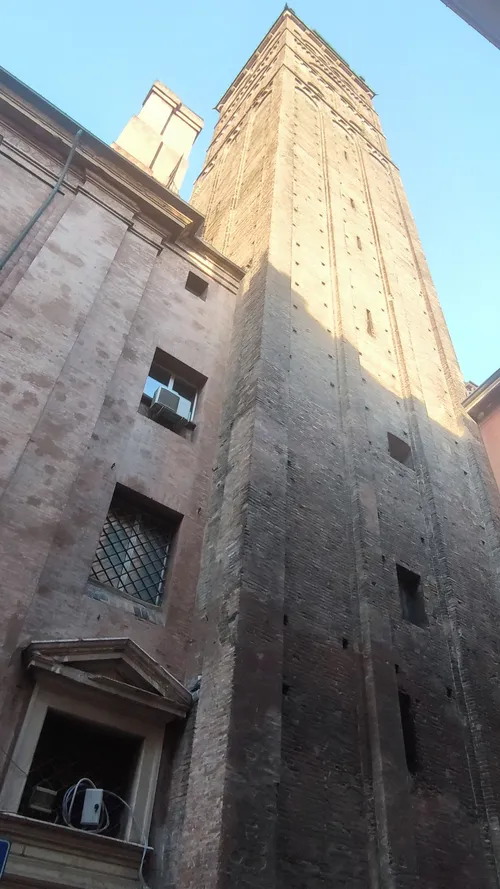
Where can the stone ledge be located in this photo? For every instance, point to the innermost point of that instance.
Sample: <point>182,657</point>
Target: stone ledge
<point>53,855</point>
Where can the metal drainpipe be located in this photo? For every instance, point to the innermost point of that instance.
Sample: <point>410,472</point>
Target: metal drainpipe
<point>48,200</point>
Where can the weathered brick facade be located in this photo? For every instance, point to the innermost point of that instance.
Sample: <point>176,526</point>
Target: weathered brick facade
<point>95,288</point>
<point>347,732</point>
<point>299,776</point>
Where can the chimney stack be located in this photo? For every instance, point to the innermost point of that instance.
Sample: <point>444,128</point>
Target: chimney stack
<point>160,137</point>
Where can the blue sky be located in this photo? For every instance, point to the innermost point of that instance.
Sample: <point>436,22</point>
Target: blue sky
<point>437,95</point>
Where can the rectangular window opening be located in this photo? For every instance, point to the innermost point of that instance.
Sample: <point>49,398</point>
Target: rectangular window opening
<point>409,733</point>
<point>196,285</point>
<point>411,596</point>
<point>70,749</point>
<point>358,241</point>
<point>369,323</point>
<point>353,205</point>
<point>171,393</point>
<point>134,548</point>
<point>400,450</point>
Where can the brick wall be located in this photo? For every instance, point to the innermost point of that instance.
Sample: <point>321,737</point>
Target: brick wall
<point>299,775</point>
<point>96,287</point>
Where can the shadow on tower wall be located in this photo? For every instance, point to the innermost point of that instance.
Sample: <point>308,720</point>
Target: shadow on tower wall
<point>302,773</point>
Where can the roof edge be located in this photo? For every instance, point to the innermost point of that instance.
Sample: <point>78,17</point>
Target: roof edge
<point>187,221</point>
<point>476,402</point>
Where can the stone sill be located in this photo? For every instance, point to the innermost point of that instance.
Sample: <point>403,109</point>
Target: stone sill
<point>53,855</point>
<point>141,610</point>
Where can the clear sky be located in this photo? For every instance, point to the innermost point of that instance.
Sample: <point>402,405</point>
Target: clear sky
<point>436,81</point>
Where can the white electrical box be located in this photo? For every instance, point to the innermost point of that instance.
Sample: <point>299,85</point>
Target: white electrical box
<point>92,807</point>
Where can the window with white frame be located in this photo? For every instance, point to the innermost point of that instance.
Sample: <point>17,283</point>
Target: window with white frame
<point>171,393</point>
<point>185,391</point>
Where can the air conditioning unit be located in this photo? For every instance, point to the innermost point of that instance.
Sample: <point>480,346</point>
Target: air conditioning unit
<point>164,408</point>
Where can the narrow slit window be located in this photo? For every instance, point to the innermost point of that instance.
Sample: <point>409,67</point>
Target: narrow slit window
<point>411,596</point>
<point>409,732</point>
<point>358,241</point>
<point>353,205</point>
<point>400,450</point>
<point>369,323</point>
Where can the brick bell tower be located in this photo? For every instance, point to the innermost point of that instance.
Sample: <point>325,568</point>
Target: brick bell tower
<point>348,727</point>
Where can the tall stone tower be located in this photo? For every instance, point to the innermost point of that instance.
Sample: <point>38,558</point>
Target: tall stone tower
<point>348,727</point>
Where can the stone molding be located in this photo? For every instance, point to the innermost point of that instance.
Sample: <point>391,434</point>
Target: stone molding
<point>38,123</point>
<point>53,855</point>
<point>89,662</point>
<point>108,681</point>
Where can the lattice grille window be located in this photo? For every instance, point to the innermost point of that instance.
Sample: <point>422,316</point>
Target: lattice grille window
<point>133,551</point>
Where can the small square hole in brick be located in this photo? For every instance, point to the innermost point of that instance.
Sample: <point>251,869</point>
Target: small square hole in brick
<point>400,450</point>
<point>411,596</point>
<point>196,285</point>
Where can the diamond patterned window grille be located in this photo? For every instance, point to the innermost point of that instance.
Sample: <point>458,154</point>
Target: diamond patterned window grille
<point>133,551</point>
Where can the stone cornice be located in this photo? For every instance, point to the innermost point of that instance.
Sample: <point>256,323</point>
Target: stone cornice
<point>116,667</point>
<point>53,856</point>
<point>193,119</point>
<point>52,131</point>
<point>19,828</point>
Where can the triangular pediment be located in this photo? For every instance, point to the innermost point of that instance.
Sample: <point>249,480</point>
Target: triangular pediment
<point>119,667</point>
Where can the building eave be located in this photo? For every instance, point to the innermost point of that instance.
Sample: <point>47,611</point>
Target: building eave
<point>484,398</point>
<point>481,16</point>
